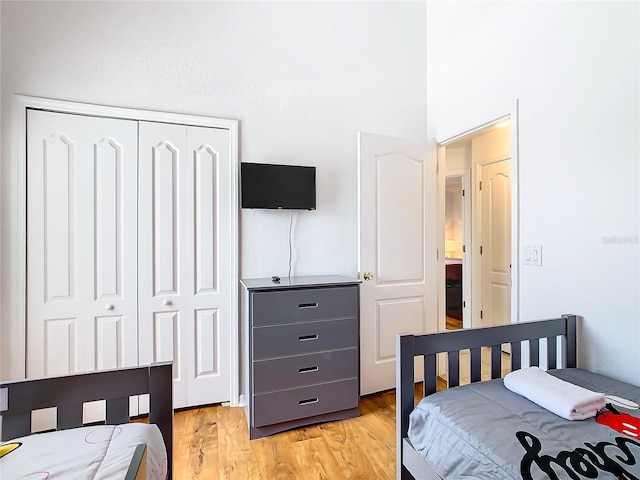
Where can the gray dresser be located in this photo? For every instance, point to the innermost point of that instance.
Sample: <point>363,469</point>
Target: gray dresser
<point>300,352</point>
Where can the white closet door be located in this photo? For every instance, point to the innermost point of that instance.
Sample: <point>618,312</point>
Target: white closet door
<point>208,266</point>
<point>81,243</point>
<point>183,304</point>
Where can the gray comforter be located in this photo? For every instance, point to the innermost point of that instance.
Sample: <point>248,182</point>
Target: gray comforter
<point>484,431</point>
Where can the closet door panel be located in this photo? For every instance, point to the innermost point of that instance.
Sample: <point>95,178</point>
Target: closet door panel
<point>165,159</point>
<point>164,206</point>
<point>205,217</point>
<point>109,332</point>
<point>108,205</point>
<point>60,346</point>
<point>57,216</point>
<point>184,189</point>
<point>209,374</point>
<point>81,243</point>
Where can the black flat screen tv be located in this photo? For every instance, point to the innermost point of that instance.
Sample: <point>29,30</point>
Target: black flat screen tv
<point>265,185</point>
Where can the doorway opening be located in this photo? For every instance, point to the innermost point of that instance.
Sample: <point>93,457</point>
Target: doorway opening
<point>453,247</point>
<point>475,230</point>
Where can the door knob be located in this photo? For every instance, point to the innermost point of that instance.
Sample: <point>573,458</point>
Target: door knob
<point>166,302</point>
<point>368,276</point>
<point>108,306</point>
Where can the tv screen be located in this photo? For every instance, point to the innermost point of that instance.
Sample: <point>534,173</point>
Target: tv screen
<point>278,186</point>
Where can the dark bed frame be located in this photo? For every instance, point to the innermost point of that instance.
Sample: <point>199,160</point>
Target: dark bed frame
<point>68,393</point>
<point>409,462</point>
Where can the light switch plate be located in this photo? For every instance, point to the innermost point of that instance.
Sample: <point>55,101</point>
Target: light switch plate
<point>532,255</point>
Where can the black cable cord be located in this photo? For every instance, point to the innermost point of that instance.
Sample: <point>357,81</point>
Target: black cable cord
<point>290,224</point>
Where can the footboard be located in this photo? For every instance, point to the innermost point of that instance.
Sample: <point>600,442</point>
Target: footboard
<point>452,342</point>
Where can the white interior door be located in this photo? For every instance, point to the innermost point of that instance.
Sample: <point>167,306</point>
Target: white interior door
<point>397,249</point>
<point>81,243</point>
<point>184,307</point>
<point>208,265</point>
<point>495,224</point>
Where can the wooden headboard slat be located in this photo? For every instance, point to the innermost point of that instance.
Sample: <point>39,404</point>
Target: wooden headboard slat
<point>453,371</point>
<point>571,339</point>
<point>496,361</point>
<point>516,355</point>
<point>69,416</point>
<point>430,377</point>
<point>475,357</point>
<point>117,411</point>
<point>534,352</point>
<point>15,426</point>
<point>551,352</point>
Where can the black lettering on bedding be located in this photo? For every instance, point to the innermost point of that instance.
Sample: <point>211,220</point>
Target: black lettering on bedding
<point>582,462</point>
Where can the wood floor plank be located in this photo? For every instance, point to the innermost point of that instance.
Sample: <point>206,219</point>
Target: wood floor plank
<point>343,442</point>
<point>453,324</point>
<point>236,459</point>
<point>273,456</point>
<point>213,443</point>
<point>316,460</point>
<point>198,435</point>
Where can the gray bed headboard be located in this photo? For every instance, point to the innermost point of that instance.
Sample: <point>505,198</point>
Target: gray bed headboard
<point>452,342</point>
<point>68,393</point>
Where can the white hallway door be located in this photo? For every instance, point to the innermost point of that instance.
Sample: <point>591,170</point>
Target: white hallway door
<point>397,250</point>
<point>184,308</point>
<point>81,243</point>
<point>495,224</point>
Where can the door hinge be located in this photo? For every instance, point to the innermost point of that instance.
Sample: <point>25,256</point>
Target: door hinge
<point>480,249</point>
<point>464,248</point>
<point>437,254</point>
<point>463,192</point>
<point>480,314</point>
<point>464,304</point>
<point>480,184</point>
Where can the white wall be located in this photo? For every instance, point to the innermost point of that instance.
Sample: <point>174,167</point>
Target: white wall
<point>458,158</point>
<point>574,66</point>
<point>302,79</point>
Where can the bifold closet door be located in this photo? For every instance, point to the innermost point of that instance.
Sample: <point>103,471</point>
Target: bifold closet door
<point>81,243</point>
<point>184,299</point>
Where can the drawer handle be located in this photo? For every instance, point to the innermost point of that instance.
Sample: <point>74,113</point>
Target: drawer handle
<point>308,305</point>
<point>308,402</point>
<point>306,338</point>
<point>307,369</point>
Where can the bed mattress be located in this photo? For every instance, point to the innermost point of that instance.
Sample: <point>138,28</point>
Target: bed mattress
<point>485,431</point>
<point>100,452</point>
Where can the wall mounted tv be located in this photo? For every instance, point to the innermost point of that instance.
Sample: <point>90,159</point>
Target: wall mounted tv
<point>278,186</point>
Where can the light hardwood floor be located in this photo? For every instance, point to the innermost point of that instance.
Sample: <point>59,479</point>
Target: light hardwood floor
<point>213,443</point>
<point>453,324</point>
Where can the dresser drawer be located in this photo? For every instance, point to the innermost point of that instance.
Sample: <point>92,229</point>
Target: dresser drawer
<point>301,370</point>
<point>301,338</point>
<point>277,407</point>
<point>284,306</point>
